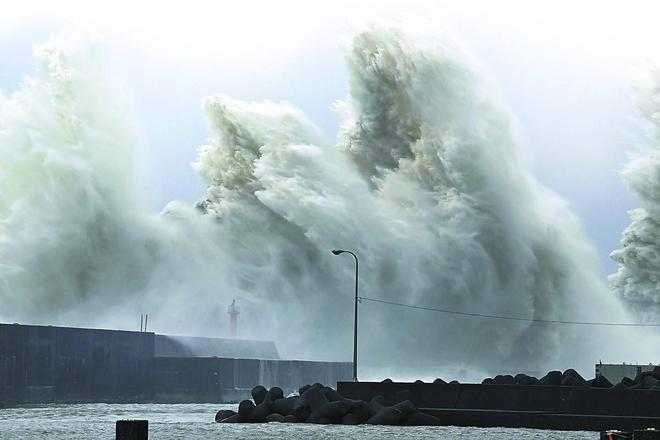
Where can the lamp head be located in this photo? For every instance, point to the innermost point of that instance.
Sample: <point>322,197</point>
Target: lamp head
<point>337,251</point>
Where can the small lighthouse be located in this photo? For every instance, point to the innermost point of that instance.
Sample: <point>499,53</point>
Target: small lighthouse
<point>233,311</point>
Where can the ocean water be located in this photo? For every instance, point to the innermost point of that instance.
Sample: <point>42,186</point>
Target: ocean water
<point>195,421</point>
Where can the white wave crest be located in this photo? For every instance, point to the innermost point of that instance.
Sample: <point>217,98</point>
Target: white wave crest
<point>426,185</point>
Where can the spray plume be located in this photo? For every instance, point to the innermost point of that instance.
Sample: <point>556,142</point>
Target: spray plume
<point>638,275</point>
<point>425,184</point>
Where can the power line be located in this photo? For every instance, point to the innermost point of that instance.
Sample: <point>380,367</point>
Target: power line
<point>509,318</point>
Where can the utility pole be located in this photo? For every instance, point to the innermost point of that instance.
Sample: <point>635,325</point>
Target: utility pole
<point>357,301</point>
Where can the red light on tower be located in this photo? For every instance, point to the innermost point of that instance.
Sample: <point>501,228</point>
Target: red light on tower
<point>233,312</point>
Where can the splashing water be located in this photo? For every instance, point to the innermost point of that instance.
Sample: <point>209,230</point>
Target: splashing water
<point>638,276</point>
<point>426,185</point>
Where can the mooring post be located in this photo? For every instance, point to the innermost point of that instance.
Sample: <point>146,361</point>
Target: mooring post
<point>132,430</point>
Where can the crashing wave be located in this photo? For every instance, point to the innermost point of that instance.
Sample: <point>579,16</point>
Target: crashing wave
<point>638,275</point>
<point>426,185</point>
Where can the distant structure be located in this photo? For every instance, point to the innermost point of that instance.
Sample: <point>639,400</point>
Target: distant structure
<point>615,372</point>
<point>233,312</point>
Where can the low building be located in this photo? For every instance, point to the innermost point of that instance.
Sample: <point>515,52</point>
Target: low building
<point>615,372</point>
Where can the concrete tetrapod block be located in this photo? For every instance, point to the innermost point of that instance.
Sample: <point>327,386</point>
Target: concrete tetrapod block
<point>224,414</point>
<point>332,411</point>
<point>504,379</point>
<point>359,409</point>
<point>261,411</point>
<point>245,409</point>
<point>350,419</point>
<point>354,403</point>
<point>275,417</point>
<point>393,415</point>
<point>520,379</point>
<point>524,379</point>
<point>600,382</point>
<point>627,381</point>
<point>132,430</point>
<point>648,382</point>
<point>575,375</point>
<point>301,412</point>
<point>375,406</point>
<point>332,395</point>
<point>236,418</point>
<point>274,393</point>
<point>571,381</point>
<point>378,399</point>
<point>552,378</point>
<point>642,375</point>
<point>285,406</point>
<point>258,394</point>
<point>313,398</point>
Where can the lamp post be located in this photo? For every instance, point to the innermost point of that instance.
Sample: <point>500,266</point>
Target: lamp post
<point>355,322</point>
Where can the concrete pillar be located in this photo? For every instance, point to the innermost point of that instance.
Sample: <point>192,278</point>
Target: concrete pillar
<point>132,430</point>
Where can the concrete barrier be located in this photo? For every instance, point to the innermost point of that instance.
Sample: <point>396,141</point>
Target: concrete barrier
<point>530,406</point>
<point>132,430</point>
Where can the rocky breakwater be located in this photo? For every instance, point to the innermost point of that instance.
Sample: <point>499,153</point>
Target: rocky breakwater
<point>647,380</point>
<point>320,404</point>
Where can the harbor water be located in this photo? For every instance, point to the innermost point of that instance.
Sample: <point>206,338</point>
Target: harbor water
<point>196,421</point>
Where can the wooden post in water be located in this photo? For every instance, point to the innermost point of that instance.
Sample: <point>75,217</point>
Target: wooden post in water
<point>132,430</point>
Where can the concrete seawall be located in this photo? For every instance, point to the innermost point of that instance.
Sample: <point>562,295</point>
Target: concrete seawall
<point>45,364</point>
<point>533,406</point>
<point>218,380</point>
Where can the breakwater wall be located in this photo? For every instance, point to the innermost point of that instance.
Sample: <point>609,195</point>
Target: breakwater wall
<point>46,364</point>
<point>40,364</point>
<point>530,406</point>
<point>222,380</point>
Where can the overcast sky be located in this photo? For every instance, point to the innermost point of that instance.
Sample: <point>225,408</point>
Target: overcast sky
<point>566,72</point>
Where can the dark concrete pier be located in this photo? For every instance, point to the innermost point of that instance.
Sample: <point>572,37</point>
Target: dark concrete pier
<point>574,408</point>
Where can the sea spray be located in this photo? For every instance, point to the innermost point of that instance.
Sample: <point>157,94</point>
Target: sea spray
<point>638,275</point>
<point>425,185</point>
<point>434,198</point>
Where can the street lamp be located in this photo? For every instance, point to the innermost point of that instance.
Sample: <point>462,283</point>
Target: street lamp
<point>355,324</point>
